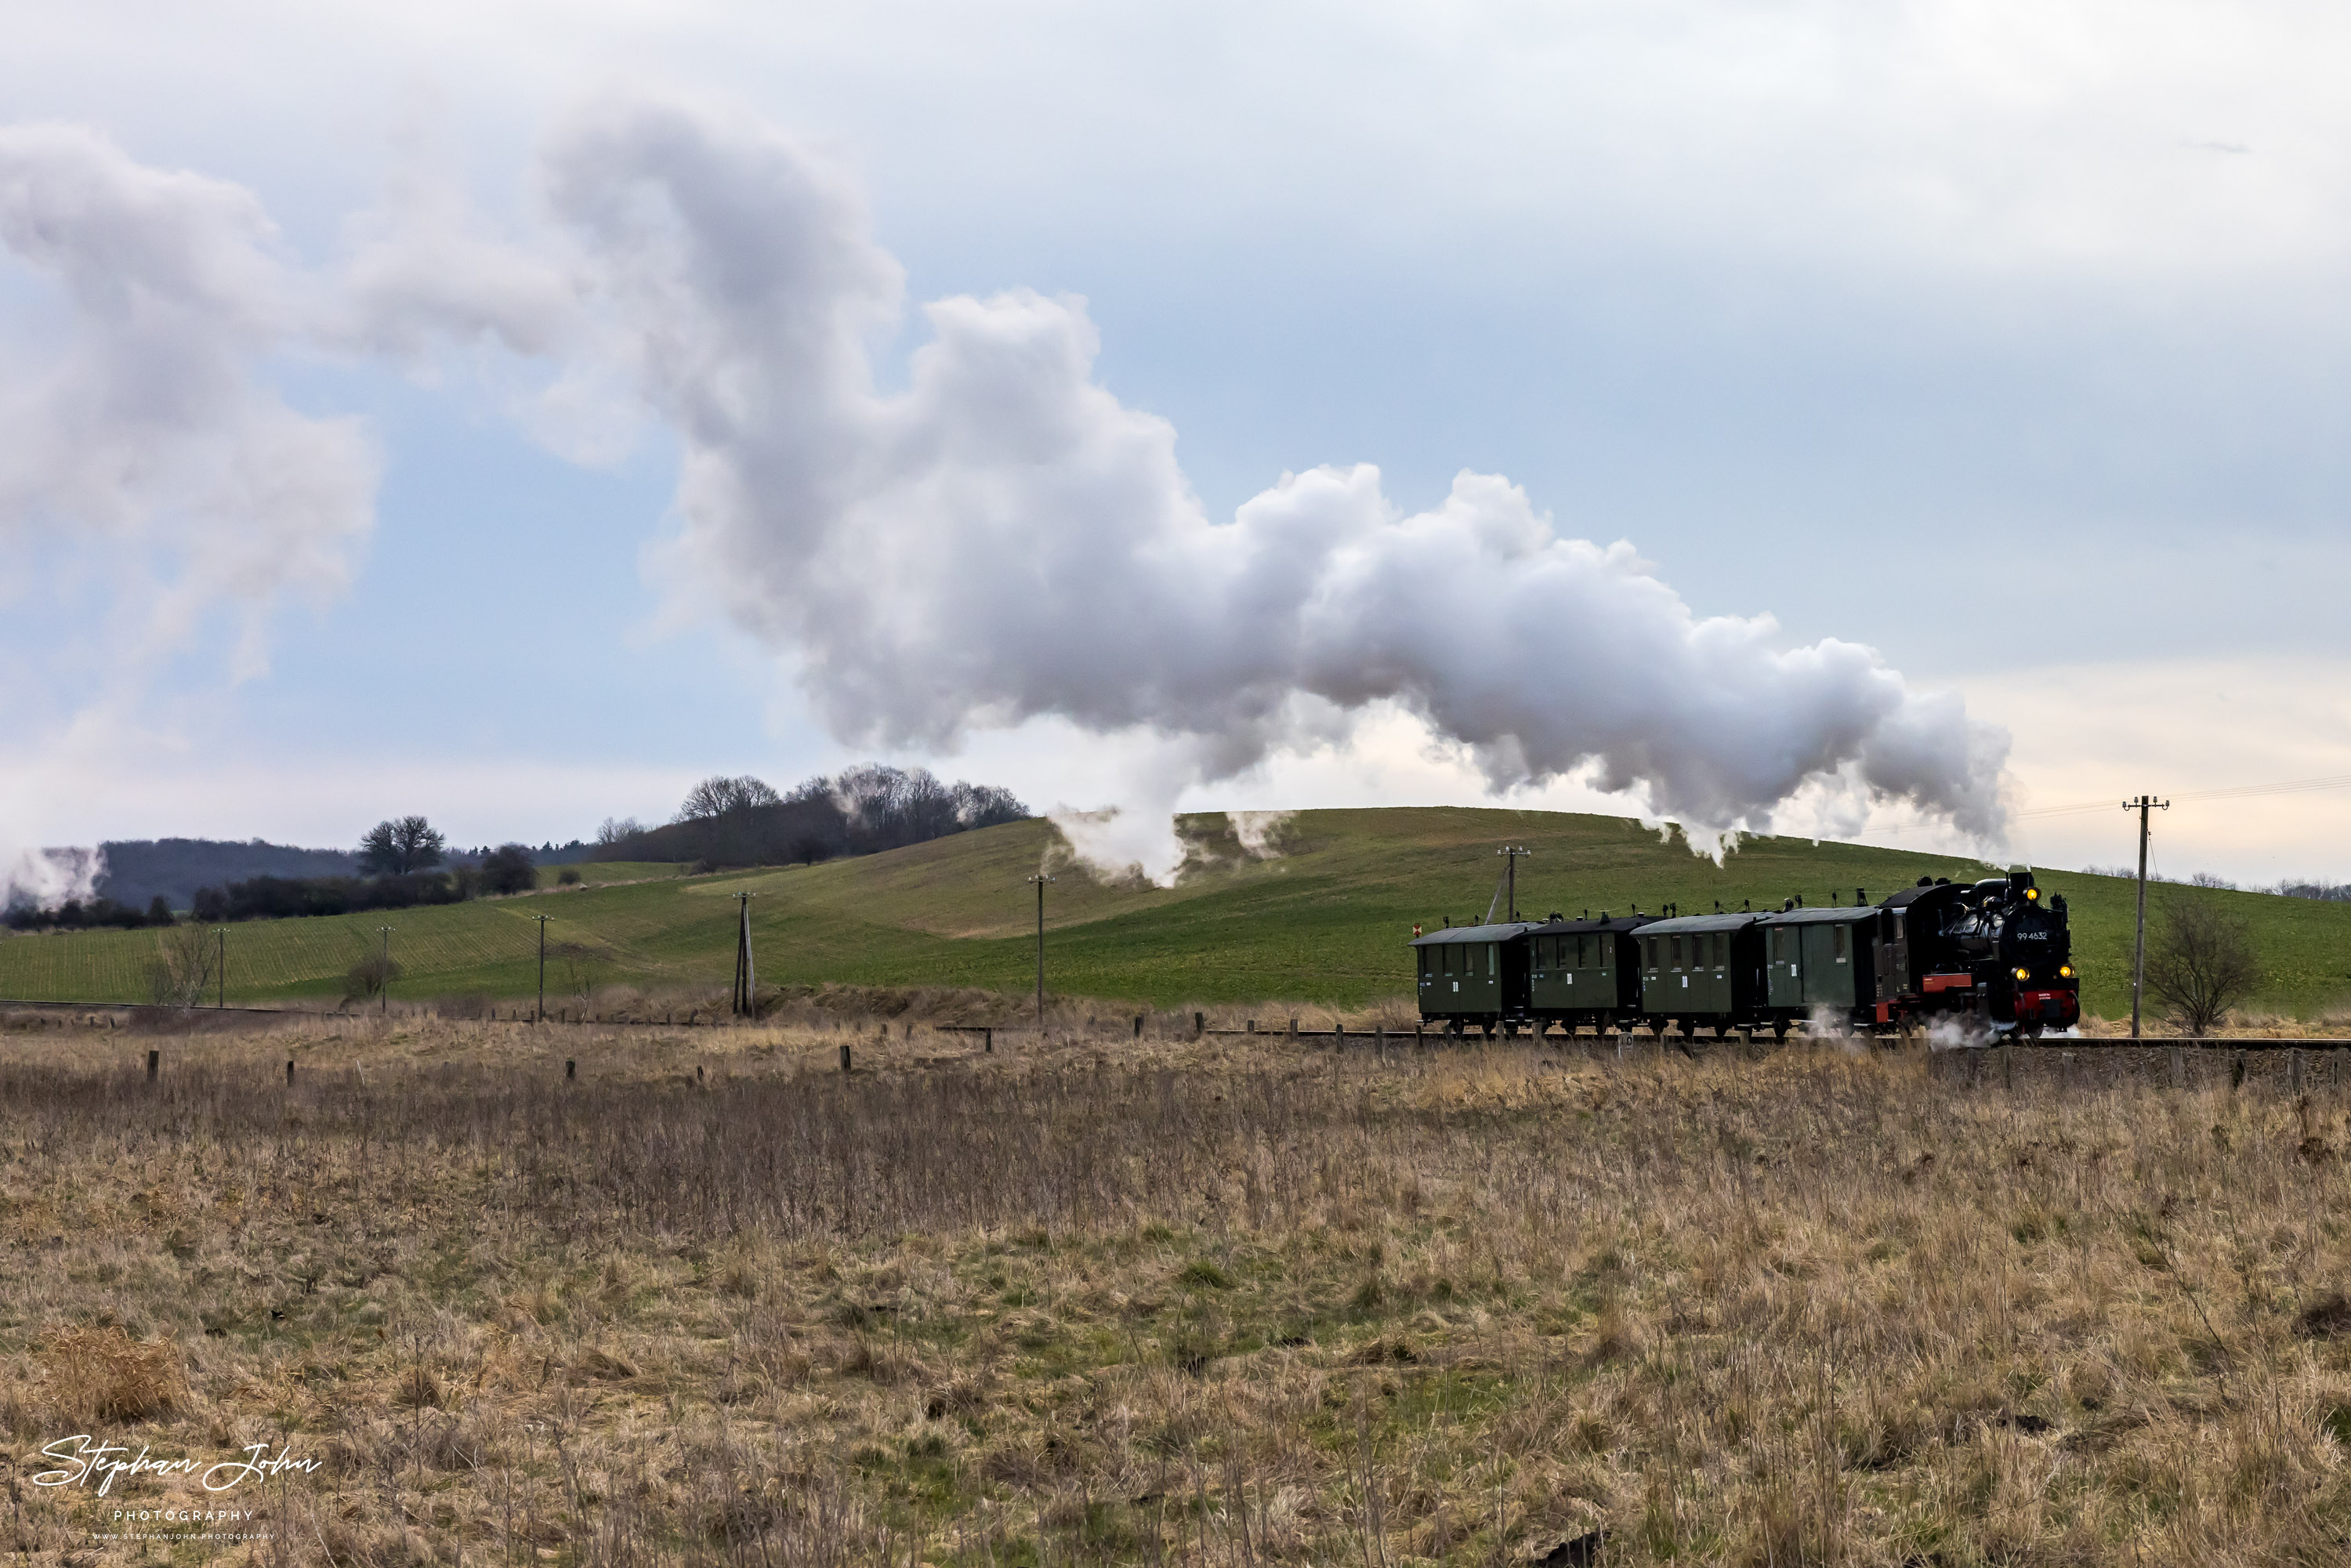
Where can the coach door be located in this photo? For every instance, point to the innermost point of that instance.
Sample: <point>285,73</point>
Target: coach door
<point>1784,966</point>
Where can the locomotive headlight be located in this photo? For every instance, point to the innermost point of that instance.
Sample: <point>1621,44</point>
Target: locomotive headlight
<point>2031,893</point>
<point>2064,971</point>
<point>2024,974</point>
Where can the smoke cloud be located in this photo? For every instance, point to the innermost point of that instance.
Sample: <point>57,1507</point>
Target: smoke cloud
<point>1003,540</point>
<point>999,542</point>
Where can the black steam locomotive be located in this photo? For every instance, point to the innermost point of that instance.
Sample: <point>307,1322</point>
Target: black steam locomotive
<point>1994,955</point>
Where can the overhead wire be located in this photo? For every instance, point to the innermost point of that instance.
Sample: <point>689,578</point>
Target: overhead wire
<point>2283,787</point>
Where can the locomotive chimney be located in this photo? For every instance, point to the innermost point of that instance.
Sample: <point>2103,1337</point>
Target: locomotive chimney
<point>1860,896</point>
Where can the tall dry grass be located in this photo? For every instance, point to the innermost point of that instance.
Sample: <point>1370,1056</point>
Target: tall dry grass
<point>1223,1302</point>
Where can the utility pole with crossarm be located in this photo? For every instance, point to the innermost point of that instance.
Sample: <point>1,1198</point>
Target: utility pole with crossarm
<point>2143,805</point>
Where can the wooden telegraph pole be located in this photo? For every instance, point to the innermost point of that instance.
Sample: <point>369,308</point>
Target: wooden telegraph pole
<point>384,995</point>
<point>746,979</point>
<point>543,920</point>
<point>1040,879</point>
<point>1512,870</point>
<point>2143,805</point>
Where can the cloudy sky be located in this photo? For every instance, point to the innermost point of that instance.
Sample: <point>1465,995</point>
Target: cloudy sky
<point>515,412</point>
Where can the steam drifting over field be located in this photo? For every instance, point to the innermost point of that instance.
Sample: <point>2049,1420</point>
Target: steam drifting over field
<point>1004,541</point>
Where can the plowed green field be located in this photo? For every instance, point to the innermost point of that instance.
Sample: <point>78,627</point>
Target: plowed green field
<point>1323,921</point>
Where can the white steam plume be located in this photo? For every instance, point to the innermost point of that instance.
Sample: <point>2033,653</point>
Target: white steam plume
<point>48,877</point>
<point>143,450</point>
<point>1004,540</point>
<point>1000,543</point>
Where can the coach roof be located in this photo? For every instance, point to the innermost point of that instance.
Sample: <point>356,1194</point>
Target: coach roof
<point>1831,916</point>
<point>1738,921</point>
<point>1634,922</point>
<point>1472,933</point>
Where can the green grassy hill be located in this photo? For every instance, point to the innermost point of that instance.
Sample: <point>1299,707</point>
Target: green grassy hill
<point>1323,922</point>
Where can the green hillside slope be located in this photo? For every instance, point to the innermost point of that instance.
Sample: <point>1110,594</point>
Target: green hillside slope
<point>1325,921</point>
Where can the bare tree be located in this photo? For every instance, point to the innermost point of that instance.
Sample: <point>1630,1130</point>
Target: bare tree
<point>719,795</point>
<point>582,968</point>
<point>363,980</point>
<point>619,830</point>
<point>184,965</point>
<point>395,847</point>
<point>2201,962</point>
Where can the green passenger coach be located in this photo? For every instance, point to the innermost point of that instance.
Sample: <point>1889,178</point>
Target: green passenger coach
<point>1584,973</point>
<point>1702,971</point>
<point>1815,958</point>
<point>1473,975</point>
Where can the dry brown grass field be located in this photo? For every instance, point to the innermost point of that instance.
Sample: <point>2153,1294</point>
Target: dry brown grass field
<point>1090,1298</point>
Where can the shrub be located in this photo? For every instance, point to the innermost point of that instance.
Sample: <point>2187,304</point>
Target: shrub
<point>363,980</point>
<point>509,869</point>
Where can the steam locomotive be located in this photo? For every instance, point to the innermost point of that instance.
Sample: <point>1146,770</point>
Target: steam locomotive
<point>1994,955</point>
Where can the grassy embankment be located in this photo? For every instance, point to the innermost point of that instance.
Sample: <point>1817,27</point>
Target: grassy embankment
<point>1086,1301</point>
<point>1321,924</point>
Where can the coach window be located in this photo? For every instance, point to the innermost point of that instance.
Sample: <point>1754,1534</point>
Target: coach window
<point>1491,949</point>
<point>1898,926</point>
<point>1838,941</point>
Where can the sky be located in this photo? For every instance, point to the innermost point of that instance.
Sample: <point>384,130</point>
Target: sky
<point>550,407</point>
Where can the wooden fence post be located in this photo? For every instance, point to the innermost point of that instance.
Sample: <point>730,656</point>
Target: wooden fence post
<point>1138,1026</point>
<point>987,1042</point>
<point>844,1056</point>
<point>570,1069</point>
<point>289,1073</point>
<point>1293,1028</point>
<point>154,1064</point>
<point>1199,1025</point>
